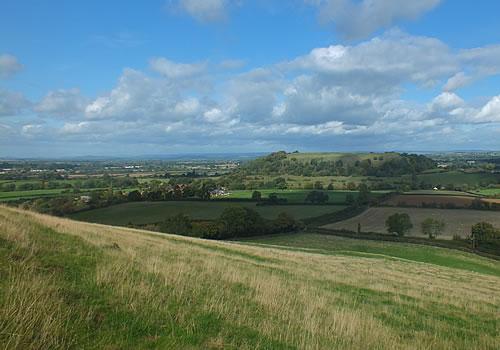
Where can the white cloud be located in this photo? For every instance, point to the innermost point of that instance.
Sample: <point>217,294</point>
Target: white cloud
<point>205,10</point>
<point>447,101</point>
<point>32,130</point>
<point>338,96</point>
<point>457,81</point>
<point>358,19</point>
<point>490,112</point>
<point>12,103</point>
<point>9,65</point>
<point>62,103</point>
<point>137,96</point>
<point>174,70</point>
<point>384,61</point>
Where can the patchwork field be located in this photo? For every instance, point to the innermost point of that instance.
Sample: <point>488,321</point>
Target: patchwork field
<point>458,221</point>
<point>68,284</point>
<point>149,212</point>
<point>460,201</point>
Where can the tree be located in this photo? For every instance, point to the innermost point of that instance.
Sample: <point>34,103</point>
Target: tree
<point>134,196</point>
<point>240,221</point>
<point>399,223</point>
<point>482,231</point>
<point>432,227</point>
<point>317,197</point>
<point>330,187</point>
<point>364,194</point>
<point>179,224</point>
<point>318,185</point>
<point>256,196</point>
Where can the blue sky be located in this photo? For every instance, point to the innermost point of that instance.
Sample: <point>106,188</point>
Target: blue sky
<point>183,76</point>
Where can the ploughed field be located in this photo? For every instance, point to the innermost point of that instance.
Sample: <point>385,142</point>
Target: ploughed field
<point>139,213</point>
<point>67,284</point>
<point>419,200</point>
<point>458,221</point>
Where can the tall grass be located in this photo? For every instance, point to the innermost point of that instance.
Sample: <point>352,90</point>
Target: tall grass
<point>67,284</point>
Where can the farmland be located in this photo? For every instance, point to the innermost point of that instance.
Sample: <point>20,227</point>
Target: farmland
<point>72,284</point>
<point>459,178</point>
<point>458,221</point>
<point>299,196</point>
<point>150,212</point>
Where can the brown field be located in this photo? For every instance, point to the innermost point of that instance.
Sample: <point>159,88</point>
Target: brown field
<point>458,221</point>
<point>418,199</point>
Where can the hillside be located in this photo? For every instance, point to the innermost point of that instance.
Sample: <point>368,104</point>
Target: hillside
<point>67,284</point>
<point>338,164</point>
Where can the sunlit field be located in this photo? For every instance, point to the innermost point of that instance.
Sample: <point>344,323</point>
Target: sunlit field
<point>68,284</point>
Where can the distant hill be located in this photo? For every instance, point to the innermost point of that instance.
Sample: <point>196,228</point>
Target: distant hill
<point>338,164</point>
<point>72,285</point>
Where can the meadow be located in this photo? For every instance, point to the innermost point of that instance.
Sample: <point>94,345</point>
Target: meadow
<point>459,178</point>
<point>457,221</point>
<point>488,192</point>
<point>139,213</point>
<point>16,195</point>
<point>299,196</point>
<point>68,284</point>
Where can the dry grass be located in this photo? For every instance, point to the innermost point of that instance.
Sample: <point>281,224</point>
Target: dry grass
<point>174,292</point>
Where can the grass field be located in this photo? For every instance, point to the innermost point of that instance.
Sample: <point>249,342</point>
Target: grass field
<point>69,284</point>
<point>458,221</point>
<point>488,192</point>
<point>149,212</point>
<point>15,195</point>
<point>332,245</point>
<point>459,178</point>
<point>299,196</point>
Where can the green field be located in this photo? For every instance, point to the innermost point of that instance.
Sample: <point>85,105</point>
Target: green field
<point>74,285</point>
<point>298,196</point>
<point>140,213</point>
<point>16,195</point>
<point>458,178</point>
<point>490,192</point>
<point>332,245</point>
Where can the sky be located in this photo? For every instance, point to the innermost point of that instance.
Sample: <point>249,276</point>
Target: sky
<point>131,78</point>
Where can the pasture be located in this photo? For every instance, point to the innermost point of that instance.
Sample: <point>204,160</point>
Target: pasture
<point>458,221</point>
<point>299,196</point>
<point>16,195</point>
<point>459,178</point>
<point>69,284</point>
<point>333,245</point>
<point>139,213</point>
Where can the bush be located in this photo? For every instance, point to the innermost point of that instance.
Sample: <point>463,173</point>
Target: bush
<point>399,223</point>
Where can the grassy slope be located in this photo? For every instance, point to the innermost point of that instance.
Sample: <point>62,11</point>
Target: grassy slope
<point>150,212</point>
<point>67,284</point>
<point>333,245</point>
<point>350,157</point>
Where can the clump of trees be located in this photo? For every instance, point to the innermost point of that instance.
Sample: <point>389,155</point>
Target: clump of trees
<point>432,227</point>
<point>399,223</point>
<point>233,222</point>
<point>317,197</point>
<point>483,232</point>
